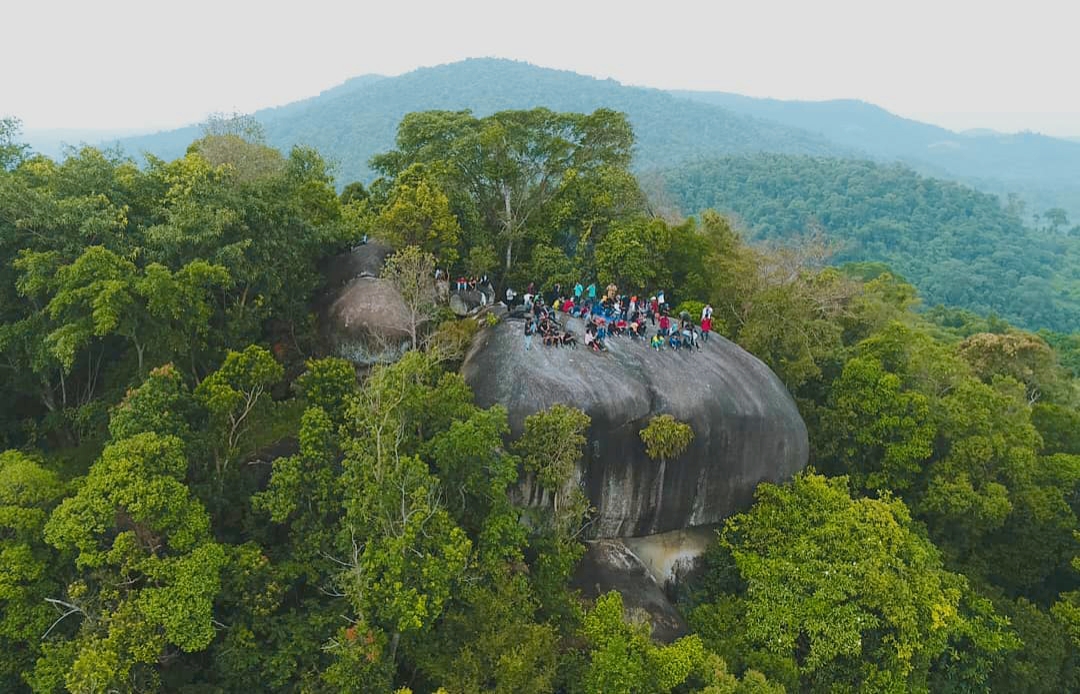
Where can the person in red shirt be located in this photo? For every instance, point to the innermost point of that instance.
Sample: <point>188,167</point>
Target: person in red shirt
<point>665,325</point>
<point>706,327</point>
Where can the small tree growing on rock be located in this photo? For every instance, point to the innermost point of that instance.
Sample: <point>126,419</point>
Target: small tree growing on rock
<point>551,447</point>
<point>411,271</point>
<point>665,438</point>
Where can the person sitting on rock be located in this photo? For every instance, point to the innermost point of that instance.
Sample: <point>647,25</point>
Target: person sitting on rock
<point>665,325</point>
<point>593,338</point>
<point>657,342</point>
<point>689,339</point>
<point>552,338</point>
<point>619,327</point>
<point>568,339</point>
<point>674,341</point>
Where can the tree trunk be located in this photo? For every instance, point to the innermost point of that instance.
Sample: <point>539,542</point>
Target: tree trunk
<point>139,350</point>
<point>508,229</point>
<point>658,489</point>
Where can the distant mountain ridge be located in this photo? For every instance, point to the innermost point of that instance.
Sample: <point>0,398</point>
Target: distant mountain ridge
<point>358,119</point>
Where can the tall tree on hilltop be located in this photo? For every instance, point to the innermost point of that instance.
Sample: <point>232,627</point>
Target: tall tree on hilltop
<point>510,165</point>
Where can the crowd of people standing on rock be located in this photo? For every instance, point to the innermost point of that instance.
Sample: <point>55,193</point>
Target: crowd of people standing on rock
<point>609,314</point>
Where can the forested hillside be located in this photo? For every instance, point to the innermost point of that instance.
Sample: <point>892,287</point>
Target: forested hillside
<point>1045,170</point>
<point>196,497</point>
<point>357,120</point>
<point>957,246</point>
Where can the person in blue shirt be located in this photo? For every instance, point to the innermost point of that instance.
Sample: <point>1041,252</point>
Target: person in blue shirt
<point>578,289</point>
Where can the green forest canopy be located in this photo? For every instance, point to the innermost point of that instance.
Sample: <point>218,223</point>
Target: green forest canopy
<point>195,498</point>
<point>960,247</point>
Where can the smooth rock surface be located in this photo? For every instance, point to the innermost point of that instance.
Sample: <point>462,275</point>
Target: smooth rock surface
<point>365,321</point>
<point>746,425</point>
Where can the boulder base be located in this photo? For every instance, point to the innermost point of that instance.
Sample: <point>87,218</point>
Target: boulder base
<point>610,565</point>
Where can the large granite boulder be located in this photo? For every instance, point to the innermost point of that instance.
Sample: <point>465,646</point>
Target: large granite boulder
<point>747,428</point>
<point>365,322</point>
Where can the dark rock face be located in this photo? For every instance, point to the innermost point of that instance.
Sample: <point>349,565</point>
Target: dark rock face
<point>746,426</point>
<point>609,565</point>
<point>365,260</point>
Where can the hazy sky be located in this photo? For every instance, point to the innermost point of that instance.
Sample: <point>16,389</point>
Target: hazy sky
<point>150,64</point>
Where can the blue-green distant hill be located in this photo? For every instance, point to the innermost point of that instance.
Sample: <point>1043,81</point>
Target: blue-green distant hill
<point>1044,170</point>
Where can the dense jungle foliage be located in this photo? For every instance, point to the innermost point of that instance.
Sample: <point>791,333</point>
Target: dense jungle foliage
<point>195,497</point>
<point>959,247</point>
